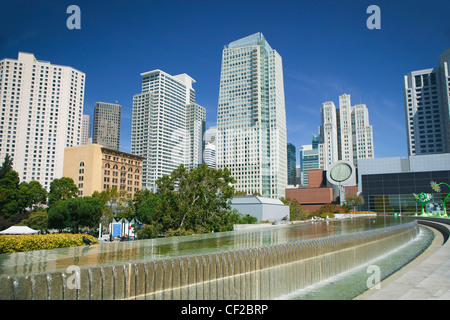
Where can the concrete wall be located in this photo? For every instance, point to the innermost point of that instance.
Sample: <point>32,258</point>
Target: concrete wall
<point>257,273</point>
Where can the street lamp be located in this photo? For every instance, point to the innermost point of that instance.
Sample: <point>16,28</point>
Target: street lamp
<point>129,217</point>
<point>68,218</point>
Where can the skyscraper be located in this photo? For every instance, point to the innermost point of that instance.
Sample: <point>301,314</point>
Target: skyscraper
<point>209,155</point>
<point>251,120</point>
<point>344,133</point>
<point>166,125</point>
<point>291,162</point>
<point>328,146</point>
<point>86,130</point>
<point>309,159</point>
<point>107,120</point>
<point>195,125</point>
<point>41,114</point>
<point>427,102</point>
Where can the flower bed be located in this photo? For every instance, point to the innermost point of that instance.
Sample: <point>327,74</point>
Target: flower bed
<point>20,243</point>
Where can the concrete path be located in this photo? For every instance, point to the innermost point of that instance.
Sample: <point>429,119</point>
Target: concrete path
<point>427,277</point>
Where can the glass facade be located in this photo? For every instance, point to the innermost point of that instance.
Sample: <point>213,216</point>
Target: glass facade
<point>251,120</point>
<point>393,192</point>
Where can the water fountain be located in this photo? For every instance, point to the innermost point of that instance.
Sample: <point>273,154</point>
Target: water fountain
<point>264,263</point>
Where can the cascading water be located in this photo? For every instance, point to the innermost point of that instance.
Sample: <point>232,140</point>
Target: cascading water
<point>265,263</point>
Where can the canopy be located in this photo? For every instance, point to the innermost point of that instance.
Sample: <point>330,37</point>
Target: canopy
<point>18,230</point>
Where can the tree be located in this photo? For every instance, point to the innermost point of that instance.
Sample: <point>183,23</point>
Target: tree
<point>113,203</point>
<point>191,200</point>
<point>31,193</point>
<point>6,166</point>
<point>354,201</point>
<point>295,209</point>
<point>38,220</point>
<point>62,189</point>
<point>9,187</point>
<point>75,213</point>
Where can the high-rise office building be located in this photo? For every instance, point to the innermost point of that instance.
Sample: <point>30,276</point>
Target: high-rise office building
<point>195,125</point>
<point>328,146</point>
<point>251,120</point>
<point>209,155</point>
<point>166,122</point>
<point>41,115</point>
<point>309,159</point>
<point>86,130</point>
<point>291,162</point>
<point>427,102</point>
<point>345,133</point>
<point>107,120</point>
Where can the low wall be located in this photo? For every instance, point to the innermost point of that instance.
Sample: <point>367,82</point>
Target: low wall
<point>255,273</point>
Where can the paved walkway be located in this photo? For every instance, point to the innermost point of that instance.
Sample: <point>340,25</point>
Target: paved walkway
<point>427,277</point>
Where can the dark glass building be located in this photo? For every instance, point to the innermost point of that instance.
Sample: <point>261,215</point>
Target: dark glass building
<point>388,185</point>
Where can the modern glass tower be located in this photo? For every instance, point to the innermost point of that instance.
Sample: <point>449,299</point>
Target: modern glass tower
<point>309,159</point>
<point>291,163</point>
<point>251,120</point>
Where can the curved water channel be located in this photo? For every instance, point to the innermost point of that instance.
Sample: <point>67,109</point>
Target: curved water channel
<point>155,249</point>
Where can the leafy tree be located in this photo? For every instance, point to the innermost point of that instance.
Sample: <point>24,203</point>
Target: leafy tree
<point>6,166</point>
<point>354,201</point>
<point>295,209</point>
<point>194,200</point>
<point>31,193</point>
<point>113,202</point>
<point>38,220</point>
<point>76,212</point>
<point>62,189</point>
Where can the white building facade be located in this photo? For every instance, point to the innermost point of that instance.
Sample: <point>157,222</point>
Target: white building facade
<point>209,154</point>
<point>345,133</point>
<point>251,120</point>
<point>427,101</point>
<point>161,131</point>
<point>195,125</point>
<point>41,114</point>
<point>86,130</point>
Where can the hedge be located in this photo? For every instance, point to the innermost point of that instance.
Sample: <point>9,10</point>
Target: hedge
<point>21,243</point>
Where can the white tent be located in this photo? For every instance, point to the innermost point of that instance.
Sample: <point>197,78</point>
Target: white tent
<point>18,230</point>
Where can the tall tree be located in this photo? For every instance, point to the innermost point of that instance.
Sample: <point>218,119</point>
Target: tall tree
<point>199,197</point>
<point>75,213</point>
<point>62,189</point>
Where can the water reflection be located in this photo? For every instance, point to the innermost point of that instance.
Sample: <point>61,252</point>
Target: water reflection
<point>155,249</point>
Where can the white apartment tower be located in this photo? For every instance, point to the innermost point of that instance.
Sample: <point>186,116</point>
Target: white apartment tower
<point>427,102</point>
<point>345,133</point>
<point>165,124</point>
<point>86,130</point>
<point>251,120</point>
<point>195,125</point>
<point>41,115</point>
<point>328,143</point>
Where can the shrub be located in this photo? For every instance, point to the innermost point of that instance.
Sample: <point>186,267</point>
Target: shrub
<point>21,243</point>
<point>148,231</point>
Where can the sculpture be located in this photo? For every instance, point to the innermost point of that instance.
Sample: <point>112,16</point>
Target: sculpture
<point>436,187</point>
<point>422,199</point>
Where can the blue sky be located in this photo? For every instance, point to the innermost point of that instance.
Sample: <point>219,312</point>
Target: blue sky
<point>325,45</point>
